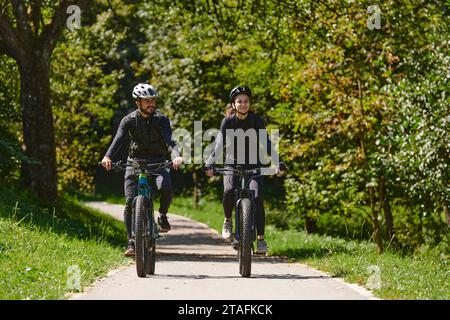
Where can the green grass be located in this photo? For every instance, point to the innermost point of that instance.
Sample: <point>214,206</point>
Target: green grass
<point>419,276</point>
<point>424,275</point>
<point>109,197</point>
<point>208,211</point>
<point>41,248</point>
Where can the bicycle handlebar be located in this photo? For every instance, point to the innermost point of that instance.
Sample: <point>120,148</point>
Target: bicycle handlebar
<point>139,165</point>
<point>262,171</point>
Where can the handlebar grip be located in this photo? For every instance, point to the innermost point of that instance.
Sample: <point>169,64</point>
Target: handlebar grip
<point>100,164</point>
<point>214,170</point>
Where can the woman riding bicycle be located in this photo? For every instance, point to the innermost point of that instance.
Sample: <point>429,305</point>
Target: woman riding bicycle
<point>148,133</point>
<point>240,120</point>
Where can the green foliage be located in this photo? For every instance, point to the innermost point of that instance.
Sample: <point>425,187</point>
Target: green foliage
<point>420,130</point>
<point>83,102</point>
<point>345,115</point>
<point>10,151</point>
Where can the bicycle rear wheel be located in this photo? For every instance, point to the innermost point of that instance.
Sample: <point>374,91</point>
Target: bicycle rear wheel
<point>141,222</point>
<point>245,243</point>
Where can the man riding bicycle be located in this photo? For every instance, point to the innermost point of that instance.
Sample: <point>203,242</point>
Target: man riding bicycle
<point>149,136</point>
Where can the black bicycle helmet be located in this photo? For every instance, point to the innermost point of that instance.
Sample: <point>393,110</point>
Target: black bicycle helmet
<point>240,90</point>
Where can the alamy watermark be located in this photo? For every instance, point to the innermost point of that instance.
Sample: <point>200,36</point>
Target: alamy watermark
<point>74,20</point>
<point>374,280</point>
<point>252,146</point>
<point>374,21</point>
<point>73,278</point>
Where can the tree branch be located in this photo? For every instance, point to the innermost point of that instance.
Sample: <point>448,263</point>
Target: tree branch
<point>22,20</point>
<point>36,15</point>
<point>3,8</point>
<point>112,9</point>
<point>9,41</point>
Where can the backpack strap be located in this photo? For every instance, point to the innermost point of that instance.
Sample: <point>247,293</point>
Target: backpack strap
<point>133,122</point>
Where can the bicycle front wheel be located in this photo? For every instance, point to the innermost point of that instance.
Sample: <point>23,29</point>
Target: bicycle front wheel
<point>151,247</point>
<point>151,261</point>
<point>141,222</point>
<point>245,243</point>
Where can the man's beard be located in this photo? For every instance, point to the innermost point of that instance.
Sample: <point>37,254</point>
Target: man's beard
<point>151,109</point>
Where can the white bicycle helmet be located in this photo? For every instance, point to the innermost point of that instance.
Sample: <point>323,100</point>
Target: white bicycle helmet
<point>143,91</point>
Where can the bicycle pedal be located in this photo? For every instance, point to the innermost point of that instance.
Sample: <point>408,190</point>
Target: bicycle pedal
<point>260,253</point>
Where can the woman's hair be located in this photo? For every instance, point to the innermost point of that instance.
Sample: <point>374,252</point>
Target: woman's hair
<point>229,111</point>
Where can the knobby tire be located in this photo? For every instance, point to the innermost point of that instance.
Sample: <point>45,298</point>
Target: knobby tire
<point>141,250</point>
<point>245,245</point>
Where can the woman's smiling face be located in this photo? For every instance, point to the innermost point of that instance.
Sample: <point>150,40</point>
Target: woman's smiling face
<point>242,103</point>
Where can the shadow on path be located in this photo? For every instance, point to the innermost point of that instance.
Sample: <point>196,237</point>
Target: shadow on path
<point>253,276</point>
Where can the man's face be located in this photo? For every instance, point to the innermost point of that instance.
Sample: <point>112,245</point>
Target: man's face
<point>147,106</point>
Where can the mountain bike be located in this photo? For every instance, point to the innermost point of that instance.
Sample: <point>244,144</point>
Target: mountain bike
<point>144,227</point>
<point>245,228</point>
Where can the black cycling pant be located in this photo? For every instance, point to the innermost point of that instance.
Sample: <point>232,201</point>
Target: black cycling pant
<point>231,182</point>
<point>162,182</point>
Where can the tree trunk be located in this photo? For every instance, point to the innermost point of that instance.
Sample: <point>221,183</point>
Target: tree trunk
<point>375,222</point>
<point>447,214</point>
<point>39,174</point>
<point>196,191</point>
<point>310,225</point>
<point>377,231</point>
<point>374,209</point>
<point>385,205</point>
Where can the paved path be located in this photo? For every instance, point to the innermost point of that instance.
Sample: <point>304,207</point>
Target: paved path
<point>195,263</point>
